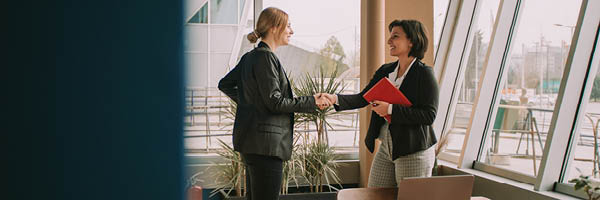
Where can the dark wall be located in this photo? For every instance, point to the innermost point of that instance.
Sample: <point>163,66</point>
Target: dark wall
<point>95,96</point>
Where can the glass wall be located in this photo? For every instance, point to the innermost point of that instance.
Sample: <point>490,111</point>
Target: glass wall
<point>527,96</point>
<point>481,32</point>
<point>584,162</point>
<point>216,39</point>
<point>214,31</point>
<point>325,36</point>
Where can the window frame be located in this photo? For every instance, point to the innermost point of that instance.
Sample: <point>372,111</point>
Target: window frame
<point>585,54</point>
<point>575,81</point>
<point>461,14</point>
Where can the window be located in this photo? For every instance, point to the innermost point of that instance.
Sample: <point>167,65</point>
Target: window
<point>325,35</point>
<point>481,32</point>
<point>583,163</point>
<point>224,11</point>
<point>201,17</point>
<point>214,33</point>
<point>528,94</point>
<point>440,9</point>
<point>216,39</point>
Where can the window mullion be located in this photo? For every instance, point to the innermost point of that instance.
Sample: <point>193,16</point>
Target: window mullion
<point>445,37</point>
<point>451,67</point>
<point>505,25</point>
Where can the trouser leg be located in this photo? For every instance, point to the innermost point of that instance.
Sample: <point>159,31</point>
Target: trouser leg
<point>382,169</point>
<point>418,164</point>
<point>264,173</point>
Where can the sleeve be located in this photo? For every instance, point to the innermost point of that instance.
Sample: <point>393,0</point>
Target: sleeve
<point>423,112</point>
<point>228,84</point>
<point>267,73</point>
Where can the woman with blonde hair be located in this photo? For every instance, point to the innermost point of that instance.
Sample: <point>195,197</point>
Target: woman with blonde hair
<point>264,122</point>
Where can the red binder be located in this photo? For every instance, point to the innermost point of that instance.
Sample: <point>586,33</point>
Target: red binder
<point>384,90</point>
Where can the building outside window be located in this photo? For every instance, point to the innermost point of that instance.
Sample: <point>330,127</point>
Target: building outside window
<point>527,97</point>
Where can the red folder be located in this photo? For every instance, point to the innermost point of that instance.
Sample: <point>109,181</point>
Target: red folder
<point>384,90</point>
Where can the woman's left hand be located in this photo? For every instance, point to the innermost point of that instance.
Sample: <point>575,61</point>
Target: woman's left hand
<point>380,107</point>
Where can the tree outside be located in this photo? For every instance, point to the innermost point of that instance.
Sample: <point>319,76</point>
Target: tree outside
<point>333,56</point>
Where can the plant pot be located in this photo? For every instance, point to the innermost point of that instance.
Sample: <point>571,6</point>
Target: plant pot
<point>194,193</point>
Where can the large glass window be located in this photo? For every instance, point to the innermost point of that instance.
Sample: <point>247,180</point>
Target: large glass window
<point>325,36</point>
<point>224,11</point>
<point>585,162</point>
<point>216,39</point>
<point>528,93</point>
<point>215,31</point>
<point>481,32</point>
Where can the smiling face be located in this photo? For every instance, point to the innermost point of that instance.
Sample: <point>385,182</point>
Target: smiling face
<point>399,44</point>
<point>285,35</point>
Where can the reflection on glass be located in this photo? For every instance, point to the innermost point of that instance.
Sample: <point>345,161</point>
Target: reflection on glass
<point>482,31</point>
<point>526,97</point>
<point>223,11</point>
<point>584,161</point>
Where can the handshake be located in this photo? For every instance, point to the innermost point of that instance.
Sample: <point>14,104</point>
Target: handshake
<point>324,100</point>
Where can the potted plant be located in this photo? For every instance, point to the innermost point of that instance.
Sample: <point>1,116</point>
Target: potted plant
<point>312,161</point>
<point>194,191</point>
<point>310,85</point>
<point>316,158</point>
<point>230,177</point>
<point>318,166</point>
<point>590,185</point>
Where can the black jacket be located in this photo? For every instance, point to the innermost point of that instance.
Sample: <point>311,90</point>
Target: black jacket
<point>264,120</point>
<point>411,126</point>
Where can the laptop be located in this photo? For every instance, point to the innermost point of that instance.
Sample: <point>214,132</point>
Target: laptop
<point>455,187</point>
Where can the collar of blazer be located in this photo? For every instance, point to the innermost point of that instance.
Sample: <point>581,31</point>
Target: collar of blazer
<point>390,67</point>
<point>263,45</point>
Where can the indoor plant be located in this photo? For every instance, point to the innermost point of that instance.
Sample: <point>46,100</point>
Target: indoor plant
<point>316,157</point>
<point>590,186</point>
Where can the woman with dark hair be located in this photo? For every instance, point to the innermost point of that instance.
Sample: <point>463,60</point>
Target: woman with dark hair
<point>264,122</point>
<point>407,141</point>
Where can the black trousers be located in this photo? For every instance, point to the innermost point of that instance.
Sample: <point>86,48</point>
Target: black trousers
<point>263,176</point>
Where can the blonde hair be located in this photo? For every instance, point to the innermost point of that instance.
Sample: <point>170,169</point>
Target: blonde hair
<point>270,17</point>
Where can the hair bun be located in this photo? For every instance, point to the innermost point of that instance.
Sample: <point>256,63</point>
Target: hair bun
<point>252,37</point>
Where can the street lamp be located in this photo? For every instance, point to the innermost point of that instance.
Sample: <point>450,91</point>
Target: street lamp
<point>562,45</point>
<point>572,28</point>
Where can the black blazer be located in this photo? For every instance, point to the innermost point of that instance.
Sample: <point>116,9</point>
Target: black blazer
<point>410,128</point>
<point>264,120</point>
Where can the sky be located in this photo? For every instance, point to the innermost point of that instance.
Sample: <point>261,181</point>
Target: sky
<point>314,21</point>
<point>538,18</point>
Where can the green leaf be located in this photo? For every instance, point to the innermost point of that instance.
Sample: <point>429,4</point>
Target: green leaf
<point>579,185</point>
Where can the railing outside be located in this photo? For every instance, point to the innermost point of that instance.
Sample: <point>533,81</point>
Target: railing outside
<point>209,117</point>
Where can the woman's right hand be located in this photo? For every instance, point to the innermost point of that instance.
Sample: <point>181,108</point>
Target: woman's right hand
<point>331,97</point>
<point>321,101</point>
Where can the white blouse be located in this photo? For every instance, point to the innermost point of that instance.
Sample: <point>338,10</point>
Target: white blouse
<point>397,81</point>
